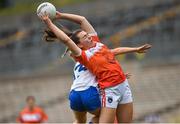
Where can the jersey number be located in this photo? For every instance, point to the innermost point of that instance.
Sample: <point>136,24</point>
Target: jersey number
<point>80,68</point>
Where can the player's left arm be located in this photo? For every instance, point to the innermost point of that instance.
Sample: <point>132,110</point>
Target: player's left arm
<point>81,20</point>
<point>124,50</point>
<point>44,116</point>
<point>76,51</point>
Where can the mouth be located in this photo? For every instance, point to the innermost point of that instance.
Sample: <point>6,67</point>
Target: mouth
<point>89,41</point>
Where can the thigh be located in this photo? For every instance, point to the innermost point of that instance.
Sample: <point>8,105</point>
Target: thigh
<point>96,113</point>
<point>109,101</point>
<point>124,113</point>
<point>125,90</point>
<point>80,116</point>
<point>109,98</point>
<point>107,115</point>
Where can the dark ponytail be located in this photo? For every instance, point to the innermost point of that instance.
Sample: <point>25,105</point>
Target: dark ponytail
<point>49,36</point>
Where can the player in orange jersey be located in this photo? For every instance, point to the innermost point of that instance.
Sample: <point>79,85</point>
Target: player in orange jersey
<point>32,113</point>
<point>116,94</point>
<point>84,94</point>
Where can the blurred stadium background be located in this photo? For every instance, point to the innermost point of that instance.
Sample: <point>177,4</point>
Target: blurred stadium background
<point>29,66</point>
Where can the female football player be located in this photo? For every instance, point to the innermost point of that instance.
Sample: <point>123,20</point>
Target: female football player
<point>116,94</point>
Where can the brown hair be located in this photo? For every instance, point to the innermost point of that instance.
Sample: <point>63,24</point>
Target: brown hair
<point>30,97</point>
<point>49,36</point>
<point>74,37</point>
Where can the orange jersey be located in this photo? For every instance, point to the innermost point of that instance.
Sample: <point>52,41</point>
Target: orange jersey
<point>37,115</point>
<point>101,62</point>
<point>95,37</point>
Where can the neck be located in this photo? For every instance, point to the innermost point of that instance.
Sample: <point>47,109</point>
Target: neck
<point>88,46</point>
<point>93,44</point>
<point>31,108</point>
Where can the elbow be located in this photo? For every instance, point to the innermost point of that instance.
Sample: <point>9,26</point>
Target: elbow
<point>83,19</point>
<point>113,51</point>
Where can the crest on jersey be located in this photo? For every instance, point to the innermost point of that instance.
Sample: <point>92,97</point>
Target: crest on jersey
<point>110,99</point>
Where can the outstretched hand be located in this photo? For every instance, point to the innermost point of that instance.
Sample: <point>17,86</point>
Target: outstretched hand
<point>58,15</point>
<point>143,48</point>
<point>45,18</point>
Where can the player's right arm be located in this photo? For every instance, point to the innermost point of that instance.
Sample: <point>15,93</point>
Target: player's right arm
<point>76,51</point>
<point>18,119</point>
<point>81,20</point>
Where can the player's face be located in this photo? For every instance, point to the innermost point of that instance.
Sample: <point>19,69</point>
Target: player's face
<point>85,39</point>
<point>31,102</point>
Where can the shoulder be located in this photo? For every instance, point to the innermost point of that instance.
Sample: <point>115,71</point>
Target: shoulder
<point>23,111</point>
<point>38,108</point>
<point>92,51</point>
<point>96,48</point>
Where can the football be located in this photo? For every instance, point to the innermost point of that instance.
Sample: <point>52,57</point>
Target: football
<point>47,8</point>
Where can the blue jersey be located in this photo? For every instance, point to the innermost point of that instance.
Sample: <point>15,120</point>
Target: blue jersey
<point>83,78</point>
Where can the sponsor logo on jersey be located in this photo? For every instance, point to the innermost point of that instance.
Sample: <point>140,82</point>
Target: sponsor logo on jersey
<point>31,117</point>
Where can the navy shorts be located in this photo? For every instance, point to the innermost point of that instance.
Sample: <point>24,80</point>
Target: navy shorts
<point>86,100</point>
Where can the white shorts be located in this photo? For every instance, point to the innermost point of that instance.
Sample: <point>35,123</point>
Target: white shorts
<point>119,94</point>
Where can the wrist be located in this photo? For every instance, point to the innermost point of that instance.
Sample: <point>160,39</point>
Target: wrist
<point>136,49</point>
<point>59,15</point>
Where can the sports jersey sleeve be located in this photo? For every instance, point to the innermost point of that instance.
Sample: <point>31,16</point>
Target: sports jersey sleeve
<point>18,119</point>
<point>83,59</point>
<point>44,116</point>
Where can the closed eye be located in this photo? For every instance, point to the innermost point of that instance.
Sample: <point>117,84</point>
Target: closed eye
<point>86,35</point>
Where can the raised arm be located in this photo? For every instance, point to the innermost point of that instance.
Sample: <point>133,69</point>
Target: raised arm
<point>76,51</point>
<point>81,20</point>
<point>123,50</point>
